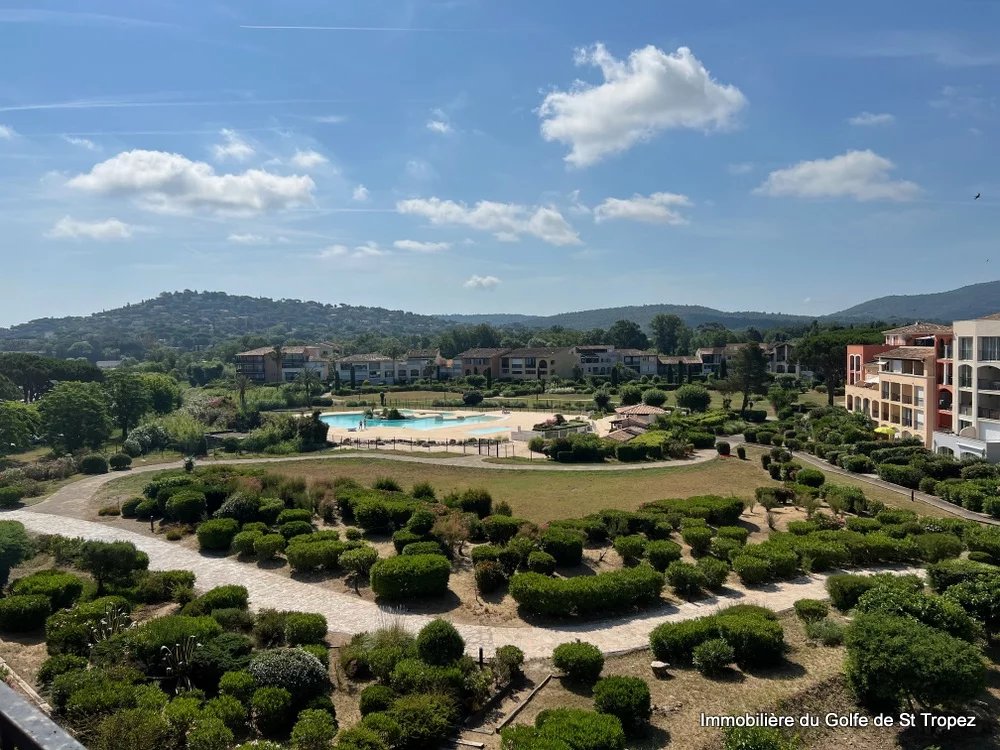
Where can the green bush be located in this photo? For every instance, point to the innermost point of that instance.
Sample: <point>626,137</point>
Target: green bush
<point>59,664</point>
<point>586,595</point>
<point>580,662</point>
<point>134,728</point>
<point>314,730</point>
<point>62,589</point>
<point>894,659</point>
<point>661,553</point>
<point>811,610</point>
<point>752,570</point>
<point>120,461</point>
<point>304,628</point>
<point>501,529</point>
<point>93,464</point>
<point>410,576</point>
<point>826,631</point>
<point>376,698</point>
<point>439,643</point>
<point>293,514</point>
<point>425,720</point>
<point>907,476</point>
<point>187,506</point>
<point>685,579</point>
<point>947,573</point>
<point>210,733</point>
<point>716,510</point>
<point>713,656</point>
<point>698,539</point>
<point>845,589</point>
<point>221,597</point>
<point>244,541</point>
<point>294,529</point>
<point>627,698</point>
<point>896,596</point>
<point>490,576</point>
<point>541,562</point>
<point>756,738</point>
<point>857,464</point>
<point>24,613</point>
<point>148,639</point>
<point>217,534</point>
<point>292,669</point>
<point>630,547</point>
<point>272,710</point>
<point>937,547</point>
<point>582,730</point>
<point>810,477</point>
<point>715,572</point>
<point>423,548</point>
<point>563,544</point>
<point>69,631</point>
<point>753,632</point>
<point>269,546</point>
<point>239,685</point>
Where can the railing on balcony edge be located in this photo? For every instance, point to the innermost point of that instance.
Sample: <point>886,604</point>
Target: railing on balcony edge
<point>25,727</point>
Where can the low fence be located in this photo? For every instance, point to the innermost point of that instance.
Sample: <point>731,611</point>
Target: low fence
<point>480,446</point>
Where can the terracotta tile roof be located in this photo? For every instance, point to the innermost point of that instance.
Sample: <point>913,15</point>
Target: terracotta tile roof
<point>370,357</point>
<point>623,436</point>
<point>994,316</point>
<point>909,352</point>
<point>639,410</point>
<point>917,328</point>
<point>423,354</point>
<point>680,360</point>
<point>538,351</point>
<point>483,353</point>
<point>268,350</point>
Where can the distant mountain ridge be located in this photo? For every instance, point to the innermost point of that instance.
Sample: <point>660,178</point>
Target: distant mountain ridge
<point>964,303</point>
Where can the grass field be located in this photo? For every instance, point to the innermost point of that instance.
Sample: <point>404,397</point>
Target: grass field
<point>547,495</point>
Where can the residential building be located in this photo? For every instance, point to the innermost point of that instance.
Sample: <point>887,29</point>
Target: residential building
<point>671,368</point>
<point>899,383</point>
<point>537,363</point>
<point>262,365</point>
<point>600,359</point>
<point>711,358</point>
<point>781,359</point>
<point>375,368</point>
<point>972,397</point>
<point>478,362</point>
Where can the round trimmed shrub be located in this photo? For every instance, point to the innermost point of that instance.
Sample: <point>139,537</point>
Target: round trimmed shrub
<point>698,538</point>
<point>686,579</point>
<point>581,662</point>
<point>376,698</point>
<point>186,506</point>
<point>209,733</point>
<point>846,588</point>
<point>268,546</point>
<point>715,572</point>
<point>425,719</point>
<point>723,448</point>
<point>62,589</point>
<point>423,548</point>
<point>741,452</point>
<point>293,514</point>
<point>217,534</point>
<point>810,477</point>
<point>229,711</point>
<point>93,464</point>
<point>713,656</point>
<point>752,570</point>
<point>625,697</point>
<point>662,552</point>
<point>811,610</point>
<point>733,532</point>
<point>314,730</point>
<point>630,548</point>
<point>565,545</point>
<point>304,627</point>
<point>60,664</point>
<point>120,461</point>
<point>244,541</point>
<point>272,710</point>
<point>439,643</point>
<point>240,685</point>
<point>21,614</point>
<point>293,529</point>
<point>541,562</point>
<point>490,576</point>
<point>501,529</point>
<point>410,576</point>
<point>582,730</point>
<point>301,674</point>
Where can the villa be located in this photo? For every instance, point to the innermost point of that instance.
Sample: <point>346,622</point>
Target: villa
<point>481,361</point>
<point>262,365</point>
<point>537,363</point>
<point>381,369</point>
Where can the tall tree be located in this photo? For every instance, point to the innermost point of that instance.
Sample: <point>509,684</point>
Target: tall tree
<point>19,423</point>
<point>748,372</point>
<point>129,398</point>
<point>74,415</point>
<point>164,394</point>
<point>667,331</point>
<point>309,381</point>
<point>626,334</point>
<point>825,353</point>
<point>242,384</point>
<point>278,355</point>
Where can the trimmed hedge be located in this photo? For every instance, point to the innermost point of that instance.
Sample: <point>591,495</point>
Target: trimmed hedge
<point>62,589</point>
<point>586,595</point>
<point>565,545</point>
<point>578,729</point>
<point>217,534</point>
<point>626,698</point>
<point>24,613</point>
<point>846,588</point>
<point>907,476</point>
<point>718,511</point>
<point>755,636</point>
<point>662,552</point>
<point>410,575</point>
<point>581,662</point>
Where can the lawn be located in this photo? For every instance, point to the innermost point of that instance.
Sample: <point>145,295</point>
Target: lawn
<point>543,496</point>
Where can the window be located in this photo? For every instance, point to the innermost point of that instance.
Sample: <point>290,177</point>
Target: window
<point>965,347</point>
<point>989,347</point>
<point>965,376</point>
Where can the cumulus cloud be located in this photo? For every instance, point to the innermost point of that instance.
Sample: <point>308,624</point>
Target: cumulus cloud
<point>870,118</point>
<point>68,228</point>
<point>308,159</point>
<point>421,247</point>
<point>360,193</point>
<point>233,146</point>
<point>247,239</point>
<point>862,175</point>
<point>506,221</point>
<point>7,132</point>
<point>171,183</point>
<point>439,126</point>
<point>81,142</point>
<point>367,250</point>
<point>657,208</point>
<point>650,92</point>
<point>481,282</point>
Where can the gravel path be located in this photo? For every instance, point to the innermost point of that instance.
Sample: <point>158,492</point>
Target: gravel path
<point>348,614</point>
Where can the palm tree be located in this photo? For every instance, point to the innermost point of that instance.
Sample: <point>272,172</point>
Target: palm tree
<point>241,383</point>
<point>278,355</point>
<point>309,380</point>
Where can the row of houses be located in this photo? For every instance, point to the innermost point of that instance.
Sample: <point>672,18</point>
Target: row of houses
<point>264,365</point>
<point>936,382</point>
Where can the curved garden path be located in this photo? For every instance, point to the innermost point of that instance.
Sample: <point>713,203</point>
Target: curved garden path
<point>349,614</point>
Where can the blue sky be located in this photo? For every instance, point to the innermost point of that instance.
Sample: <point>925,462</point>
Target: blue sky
<point>462,156</point>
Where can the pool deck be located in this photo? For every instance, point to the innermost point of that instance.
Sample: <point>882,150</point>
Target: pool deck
<point>459,432</point>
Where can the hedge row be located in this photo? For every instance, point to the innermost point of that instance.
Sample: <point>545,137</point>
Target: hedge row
<point>586,595</point>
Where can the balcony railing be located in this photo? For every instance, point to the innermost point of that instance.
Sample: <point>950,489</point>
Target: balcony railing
<point>24,727</point>
<point>945,352</point>
<point>989,385</point>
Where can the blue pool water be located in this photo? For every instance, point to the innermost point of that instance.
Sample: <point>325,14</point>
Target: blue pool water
<point>435,421</point>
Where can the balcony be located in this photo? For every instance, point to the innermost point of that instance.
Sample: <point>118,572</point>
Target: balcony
<point>985,413</point>
<point>988,385</point>
<point>945,352</point>
<point>24,727</point>
<point>965,382</point>
<point>965,411</point>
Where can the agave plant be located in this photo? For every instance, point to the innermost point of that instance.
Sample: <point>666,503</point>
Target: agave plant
<point>177,661</point>
<point>116,620</point>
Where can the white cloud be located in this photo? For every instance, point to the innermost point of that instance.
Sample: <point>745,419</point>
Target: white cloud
<point>439,126</point>
<point>869,118</point>
<point>421,247</point>
<point>330,119</point>
<point>72,229</point>
<point>233,147</point>
<point>247,239</point>
<point>657,208</point>
<point>650,92</point>
<point>507,221</point>
<point>368,250</point>
<point>862,175</point>
<point>7,132</point>
<point>81,142</point>
<point>360,193</point>
<point>171,183</point>
<point>308,159</point>
<point>481,282</point>
<point>576,206</point>
<point>743,167</point>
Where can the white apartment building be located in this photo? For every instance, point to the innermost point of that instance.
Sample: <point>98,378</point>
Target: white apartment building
<point>975,429</point>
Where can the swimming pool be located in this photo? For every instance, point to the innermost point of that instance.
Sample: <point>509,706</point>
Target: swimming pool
<point>436,421</point>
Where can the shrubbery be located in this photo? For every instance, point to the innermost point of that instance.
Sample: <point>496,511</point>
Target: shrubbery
<point>24,613</point>
<point>410,576</point>
<point>93,464</point>
<point>810,610</point>
<point>217,534</point>
<point>580,662</point>
<point>62,589</point>
<point>586,595</point>
<point>292,669</point>
<point>753,632</point>
<point>627,698</point>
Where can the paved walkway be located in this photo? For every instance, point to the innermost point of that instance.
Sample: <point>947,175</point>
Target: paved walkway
<point>349,614</point>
